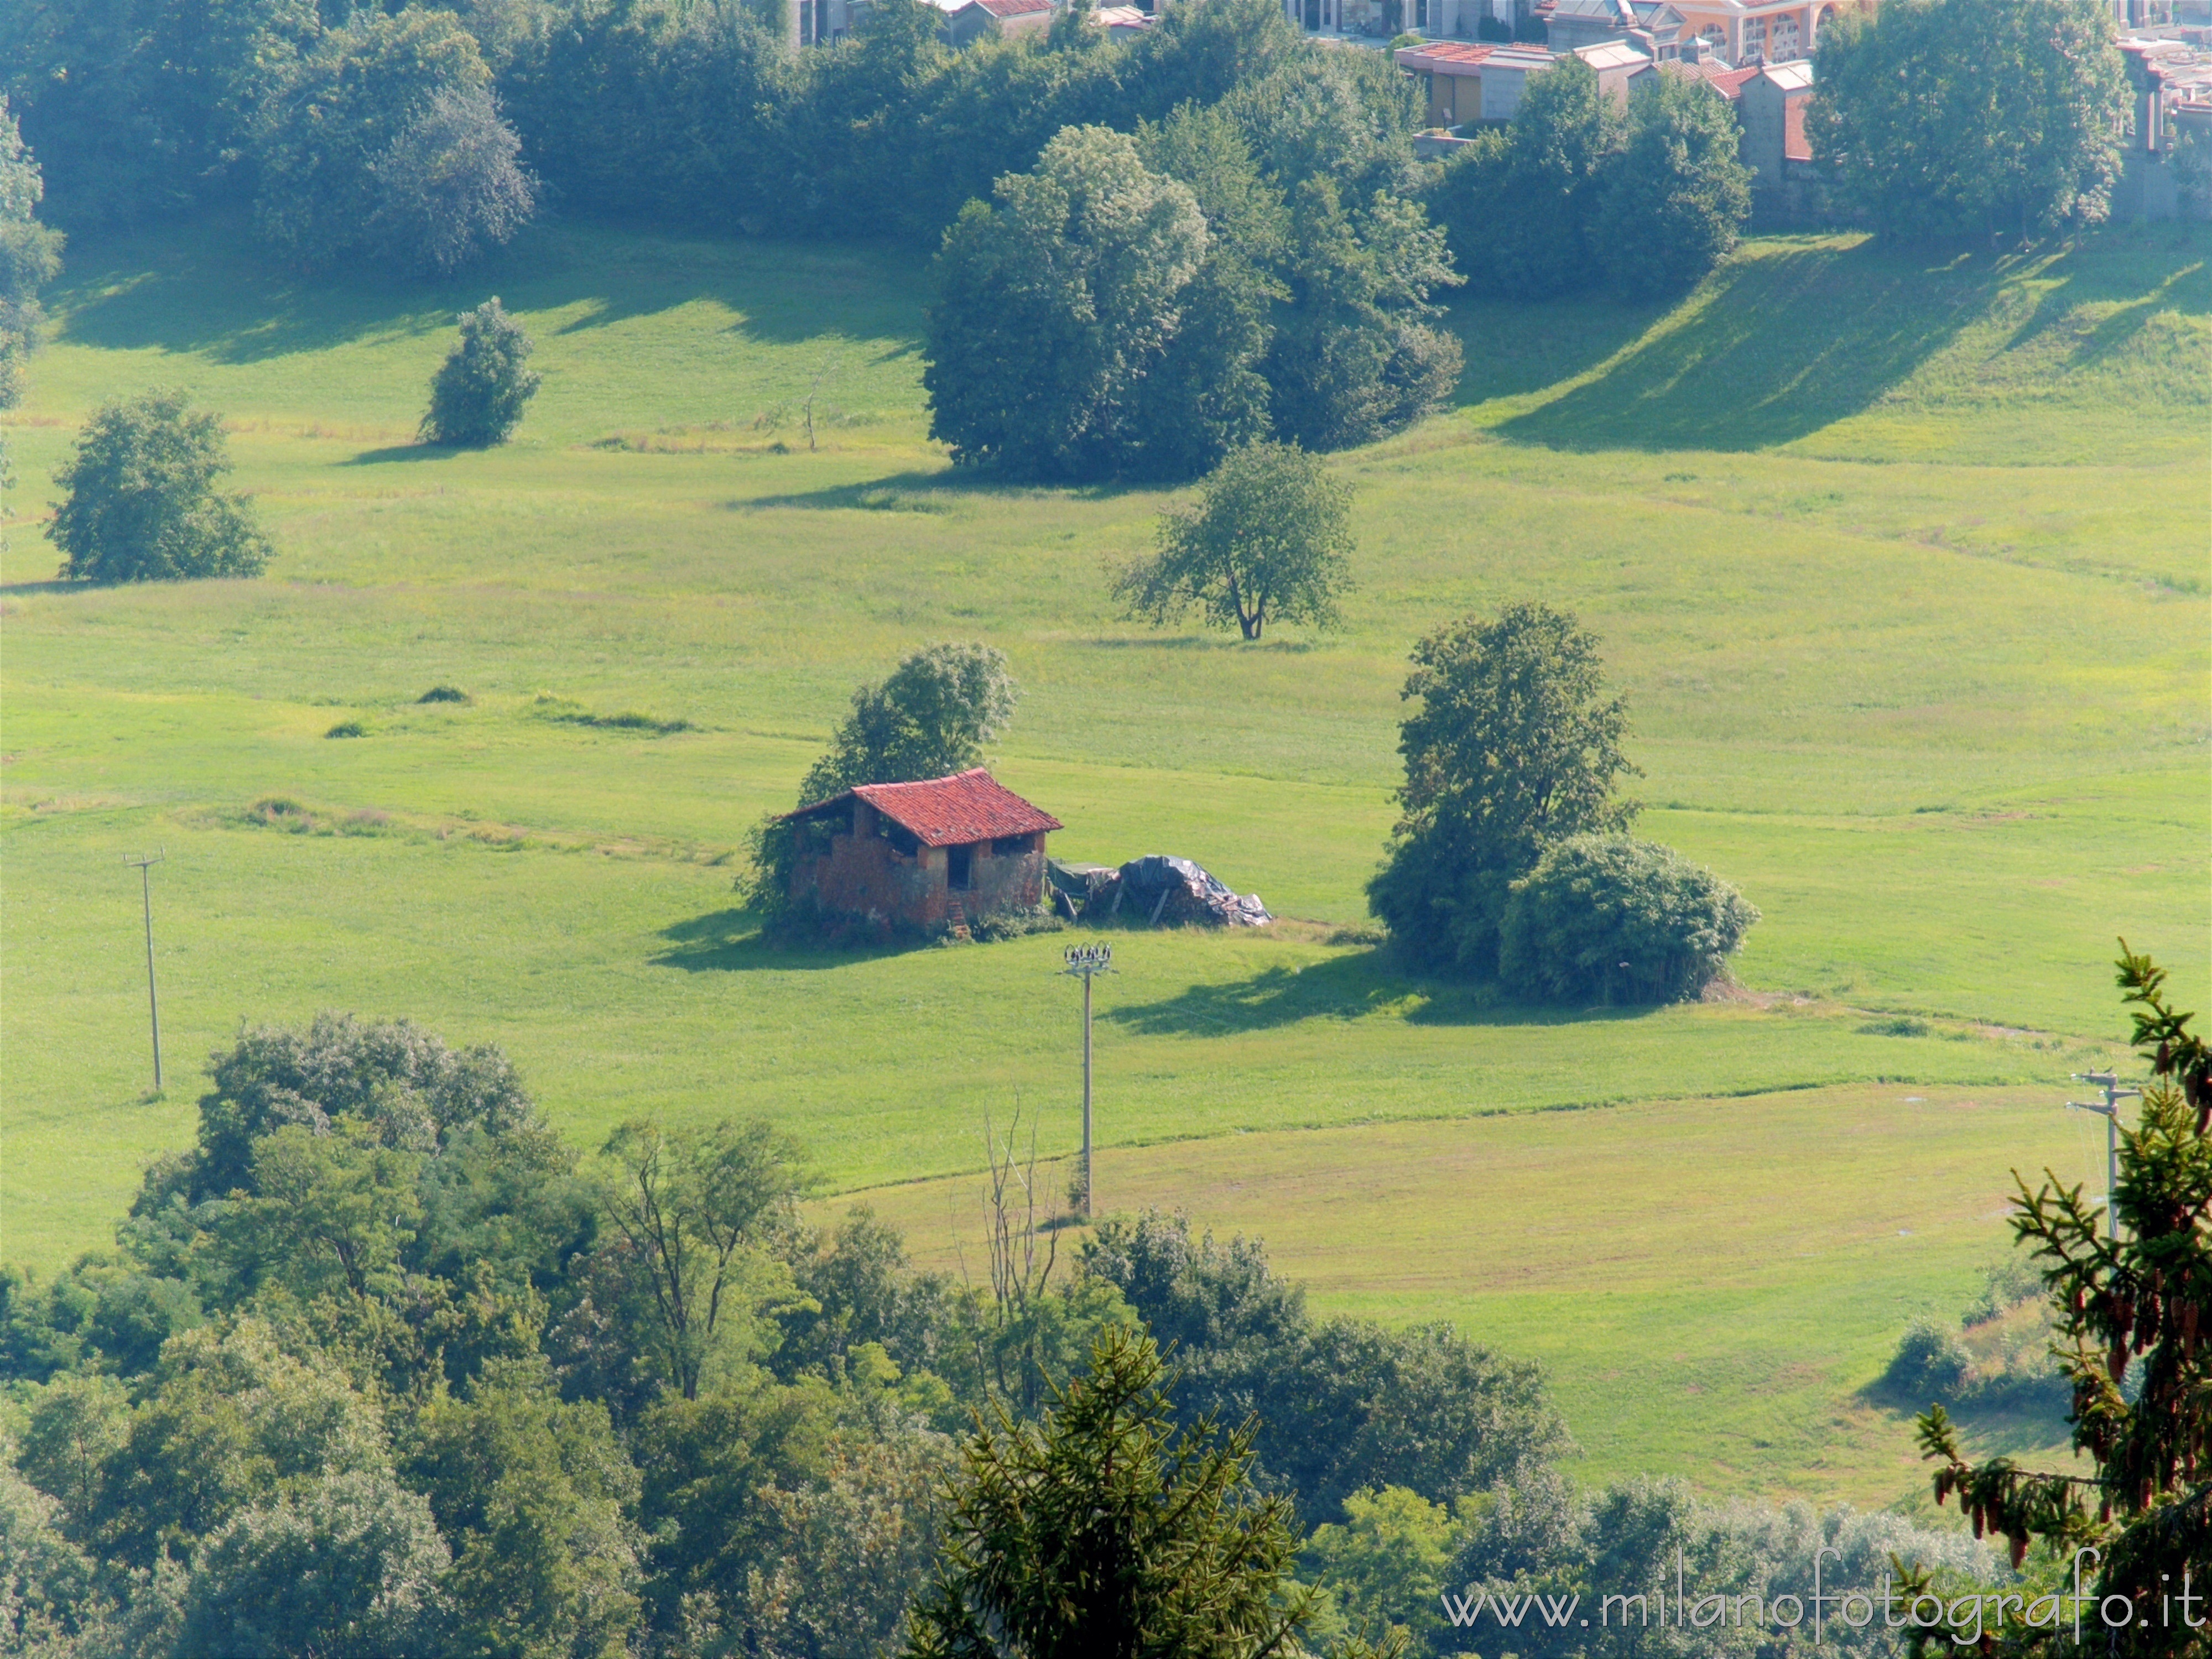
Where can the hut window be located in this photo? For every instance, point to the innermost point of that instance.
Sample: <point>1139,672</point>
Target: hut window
<point>1007,847</point>
<point>959,868</point>
<point>900,838</point>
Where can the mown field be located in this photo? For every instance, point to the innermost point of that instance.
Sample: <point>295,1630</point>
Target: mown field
<point>1901,561</point>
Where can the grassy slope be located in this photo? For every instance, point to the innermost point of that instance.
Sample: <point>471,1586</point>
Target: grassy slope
<point>1902,569</point>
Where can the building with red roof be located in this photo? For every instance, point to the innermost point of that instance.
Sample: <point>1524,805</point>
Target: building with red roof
<point>925,855</point>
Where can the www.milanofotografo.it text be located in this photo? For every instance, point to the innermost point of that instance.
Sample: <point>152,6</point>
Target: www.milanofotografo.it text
<point>1966,1616</point>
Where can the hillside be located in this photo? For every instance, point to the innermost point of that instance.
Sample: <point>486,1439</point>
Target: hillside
<point>1900,565</point>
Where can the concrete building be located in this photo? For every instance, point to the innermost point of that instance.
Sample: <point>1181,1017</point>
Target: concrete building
<point>1769,106</point>
<point>1482,80</point>
<point>2169,144</point>
<point>922,856</point>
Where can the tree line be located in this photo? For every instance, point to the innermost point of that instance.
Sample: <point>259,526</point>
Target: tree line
<point>380,1366</point>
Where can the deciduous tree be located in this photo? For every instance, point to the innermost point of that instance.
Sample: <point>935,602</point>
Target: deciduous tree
<point>697,1208</point>
<point>140,503</point>
<point>1269,539</point>
<point>1676,195</point>
<point>1952,117</point>
<point>1054,307</point>
<point>477,396</point>
<point>30,255</point>
<point>1515,745</point>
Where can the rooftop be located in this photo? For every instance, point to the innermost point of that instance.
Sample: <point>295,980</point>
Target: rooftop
<point>1444,57</point>
<point>968,806</point>
<point>1728,82</point>
<point>1612,55</point>
<point>1012,8</point>
<point>1796,76</point>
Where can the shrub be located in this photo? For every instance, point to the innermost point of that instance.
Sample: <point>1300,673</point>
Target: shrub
<point>477,399</point>
<point>346,729</point>
<point>445,694</point>
<point>1930,1363</point>
<point>1620,920</point>
<point>141,504</point>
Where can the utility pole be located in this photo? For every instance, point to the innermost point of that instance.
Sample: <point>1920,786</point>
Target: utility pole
<point>143,865</point>
<point>2109,1109</point>
<point>1086,962</point>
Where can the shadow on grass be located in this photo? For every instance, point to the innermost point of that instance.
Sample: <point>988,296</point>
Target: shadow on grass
<point>1343,987</point>
<point>51,585</point>
<point>207,290</point>
<point>1781,342</point>
<point>402,452</point>
<point>729,941</point>
<point>939,492</point>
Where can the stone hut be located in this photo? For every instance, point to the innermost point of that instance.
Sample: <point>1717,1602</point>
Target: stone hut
<point>924,856</point>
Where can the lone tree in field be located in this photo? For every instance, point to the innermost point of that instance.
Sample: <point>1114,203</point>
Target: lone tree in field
<point>1270,539</point>
<point>1100,1533</point>
<point>477,399</point>
<point>1958,118</point>
<point>1515,746</point>
<point>142,505</point>
<point>931,716</point>
<point>2136,1311</point>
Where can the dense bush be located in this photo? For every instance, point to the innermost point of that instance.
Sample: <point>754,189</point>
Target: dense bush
<point>140,503</point>
<point>1606,918</point>
<point>477,396</point>
<point>1930,1363</point>
<point>1950,118</point>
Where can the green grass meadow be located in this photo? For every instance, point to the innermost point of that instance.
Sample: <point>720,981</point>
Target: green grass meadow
<point>1901,561</point>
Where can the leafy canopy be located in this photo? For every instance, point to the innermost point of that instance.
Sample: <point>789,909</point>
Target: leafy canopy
<point>477,396</point>
<point>140,503</point>
<point>1103,1533</point>
<point>1675,197</point>
<point>1054,309</point>
<point>1515,745</point>
<point>930,717</point>
<point>30,254</point>
<point>1955,118</point>
<point>1270,538</point>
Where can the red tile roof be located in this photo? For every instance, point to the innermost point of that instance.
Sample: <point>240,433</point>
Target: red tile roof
<point>968,806</point>
<point>1729,83</point>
